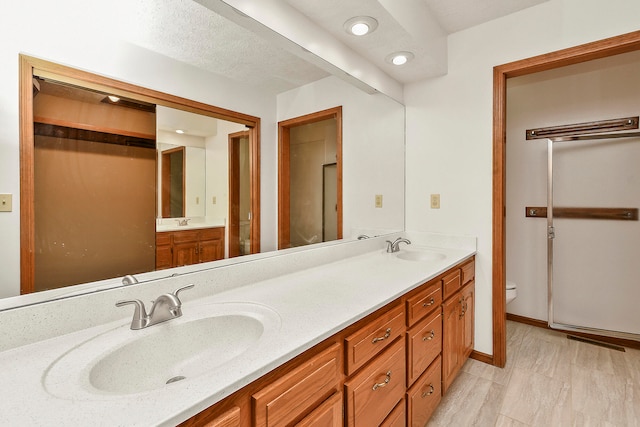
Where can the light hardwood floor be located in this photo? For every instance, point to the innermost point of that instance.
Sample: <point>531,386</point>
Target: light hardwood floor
<point>549,380</point>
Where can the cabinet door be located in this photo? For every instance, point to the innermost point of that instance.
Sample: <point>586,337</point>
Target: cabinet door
<point>211,244</point>
<point>424,396</point>
<point>374,391</point>
<point>424,343</point>
<point>467,320</point>
<point>450,340</point>
<point>185,253</point>
<point>299,392</point>
<point>329,414</point>
<point>164,256</point>
<point>210,250</point>
<point>397,417</point>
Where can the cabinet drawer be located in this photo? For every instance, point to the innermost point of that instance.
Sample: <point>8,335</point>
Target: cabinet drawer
<point>397,417</point>
<point>468,271</point>
<point>451,283</point>
<point>372,338</point>
<point>163,239</point>
<point>424,343</point>
<point>214,233</point>
<point>374,392</point>
<point>329,414</point>
<point>424,302</point>
<point>424,396</point>
<point>299,392</point>
<point>185,236</point>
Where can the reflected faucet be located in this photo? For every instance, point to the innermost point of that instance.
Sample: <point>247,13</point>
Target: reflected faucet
<point>165,307</point>
<point>183,221</point>
<point>362,237</point>
<point>395,245</point>
<point>129,279</point>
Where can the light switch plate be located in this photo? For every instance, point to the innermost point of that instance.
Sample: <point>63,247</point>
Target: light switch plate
<point>6,204</point>
<point>378,200</point>
<point>435,201</point>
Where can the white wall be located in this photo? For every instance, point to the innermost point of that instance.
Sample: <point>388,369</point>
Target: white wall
<point>72,32</point>
<point>449,121</point>
<point>372,150</point>
<point>595,261</point>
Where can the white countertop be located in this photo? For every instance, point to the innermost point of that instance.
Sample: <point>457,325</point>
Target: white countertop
<point>311,305</point>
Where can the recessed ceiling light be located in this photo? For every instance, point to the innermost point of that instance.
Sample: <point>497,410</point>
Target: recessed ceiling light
<point>180,131</point>
<point>400,58</point>
<point>113,98</point>
<point>360,25</point>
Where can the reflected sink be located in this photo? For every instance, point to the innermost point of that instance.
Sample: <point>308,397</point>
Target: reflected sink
<point>121,361</point>
<point>420,255</point>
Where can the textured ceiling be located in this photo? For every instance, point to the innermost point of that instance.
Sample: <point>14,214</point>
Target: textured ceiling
<point>190,32</point>
<point>456,15</point>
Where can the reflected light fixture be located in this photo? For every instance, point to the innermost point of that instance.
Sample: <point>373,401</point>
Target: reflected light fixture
<point>400,58</point>
<point>180,131</point>
<point>360,25</point>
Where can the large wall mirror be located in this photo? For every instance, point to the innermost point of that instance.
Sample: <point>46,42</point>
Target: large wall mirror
<point>224,176</point>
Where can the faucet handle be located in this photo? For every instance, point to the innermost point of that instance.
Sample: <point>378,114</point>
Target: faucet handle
<point>140,317</point>
<point>184,288</point>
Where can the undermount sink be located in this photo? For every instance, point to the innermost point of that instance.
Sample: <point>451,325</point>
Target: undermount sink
<point>121,361</point>
<point>420,255</point>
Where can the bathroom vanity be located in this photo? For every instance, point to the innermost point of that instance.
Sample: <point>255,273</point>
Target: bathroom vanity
<point>341,334</point>
<point>178,247</point>
<point>387,369</point>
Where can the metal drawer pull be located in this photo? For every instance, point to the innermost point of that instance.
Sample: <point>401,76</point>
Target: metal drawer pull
<point>430,392</point>
<point>382,384</point>
<point>387,334</point>
<point>427,304</point>
<point>430,337</point>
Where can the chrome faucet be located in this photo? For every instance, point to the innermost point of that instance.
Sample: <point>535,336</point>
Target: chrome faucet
<point>395,245</point>
<point>183,221</point>
<point>165,307</point>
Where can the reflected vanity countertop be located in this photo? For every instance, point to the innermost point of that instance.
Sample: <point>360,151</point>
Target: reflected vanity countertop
<point>311,305</point>
<point>169,224</point>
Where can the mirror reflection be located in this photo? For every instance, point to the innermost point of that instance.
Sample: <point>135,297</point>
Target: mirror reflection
<point>234,206</point>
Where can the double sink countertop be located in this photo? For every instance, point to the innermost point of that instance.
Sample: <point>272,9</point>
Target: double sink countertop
<point>105,374</point>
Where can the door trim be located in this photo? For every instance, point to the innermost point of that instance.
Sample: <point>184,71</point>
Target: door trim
<point>28,65</point>
<point>574,55</point>
<point>284,178</point>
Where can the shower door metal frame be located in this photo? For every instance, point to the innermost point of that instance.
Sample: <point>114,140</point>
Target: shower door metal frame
<point>551,236</point>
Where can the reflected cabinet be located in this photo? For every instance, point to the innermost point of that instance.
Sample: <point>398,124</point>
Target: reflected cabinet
<point>186,247</point>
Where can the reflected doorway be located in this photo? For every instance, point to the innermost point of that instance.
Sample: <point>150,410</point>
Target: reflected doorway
<point>310,179</point>
<point>239,195</point>
<point>173,184</point>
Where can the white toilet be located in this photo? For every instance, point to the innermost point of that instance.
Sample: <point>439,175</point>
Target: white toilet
<point>511,291</point>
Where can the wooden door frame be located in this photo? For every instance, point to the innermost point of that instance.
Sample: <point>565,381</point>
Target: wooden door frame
<point>28,65</point>
<point>165,175</point>
<point>284,178</point>
<point>574,55</point>
<point>234,197</point>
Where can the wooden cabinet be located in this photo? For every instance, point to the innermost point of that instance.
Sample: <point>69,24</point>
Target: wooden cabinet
<point>373,393</point>
<point>424,396</point>
<point>372,338</point>
<point>186,247</point>
<point>299,392</point>
<point>164,253</point>
<point>397,417</point>
<point>389,369</point>
<point>328,414</point>
<point>458,328</point>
